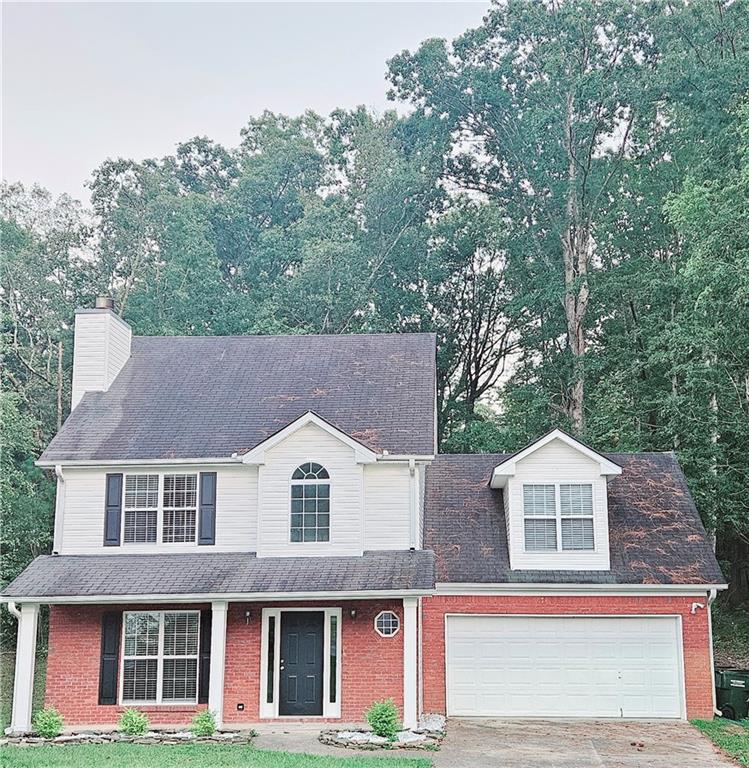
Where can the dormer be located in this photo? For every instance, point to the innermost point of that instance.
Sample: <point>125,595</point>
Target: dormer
<point>556,505</point>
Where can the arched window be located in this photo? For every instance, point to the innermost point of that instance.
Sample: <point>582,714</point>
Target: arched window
<point>310,503</point>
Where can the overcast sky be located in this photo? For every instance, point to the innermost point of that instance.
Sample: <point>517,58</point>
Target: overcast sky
<point>86,81</point>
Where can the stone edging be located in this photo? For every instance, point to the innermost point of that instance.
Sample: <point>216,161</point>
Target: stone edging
<point>150,737</point>
<point>427,735</point>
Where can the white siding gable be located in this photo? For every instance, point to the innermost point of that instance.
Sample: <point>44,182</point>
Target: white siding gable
<point>311,443</point>
<point>83,516</point>
<point>555,463</point>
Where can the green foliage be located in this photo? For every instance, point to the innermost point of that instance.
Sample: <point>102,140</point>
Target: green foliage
<point>729,736</point>
<point>48,723</point>
<point>382,717</point>
<point>133,722</point>
<point>204,723</point>
<point>564,206</point>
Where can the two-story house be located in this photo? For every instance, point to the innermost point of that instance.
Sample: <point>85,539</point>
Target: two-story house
<point>262,526</point>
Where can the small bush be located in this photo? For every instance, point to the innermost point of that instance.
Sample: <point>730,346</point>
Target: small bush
<point>48,723</point>
<point>382,717</point>
<point>204,723</point>
<point>133,722</point>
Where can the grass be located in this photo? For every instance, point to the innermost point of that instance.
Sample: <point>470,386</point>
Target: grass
<point>184,756</point>
<point>7,671</point>
<point>729,736</point>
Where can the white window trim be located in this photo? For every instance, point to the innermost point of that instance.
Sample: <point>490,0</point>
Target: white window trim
<point>158,701</point>
<point>160,512</point>
<point>329,481</point>
<point>270,709</point>
<point>558,517</point>
<point>397,629</point>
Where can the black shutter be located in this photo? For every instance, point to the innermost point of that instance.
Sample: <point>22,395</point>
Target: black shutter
<point>111,626</point>
<point>207,522</point>
<point>113,511</point>
<point>204,671</point>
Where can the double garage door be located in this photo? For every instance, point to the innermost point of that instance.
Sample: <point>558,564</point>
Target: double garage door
<point>554,666</point>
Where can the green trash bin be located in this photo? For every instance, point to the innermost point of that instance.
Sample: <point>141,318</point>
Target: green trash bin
<point>732,689</point>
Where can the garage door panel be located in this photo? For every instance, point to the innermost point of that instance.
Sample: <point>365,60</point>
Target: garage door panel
<point>563,666</point>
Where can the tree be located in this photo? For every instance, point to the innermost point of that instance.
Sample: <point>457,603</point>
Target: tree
<point>547,102</point>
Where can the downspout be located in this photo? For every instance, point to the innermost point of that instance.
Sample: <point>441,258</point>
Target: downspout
<point>420,663</point>
<point>711,595</point>
<point>412,504</point>
<point>59,509</point>
<point>13,608</point>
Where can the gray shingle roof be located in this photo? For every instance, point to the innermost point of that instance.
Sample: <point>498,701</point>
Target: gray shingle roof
<point>217,573</point>
<point>208,397</point>
<point>655,532</point>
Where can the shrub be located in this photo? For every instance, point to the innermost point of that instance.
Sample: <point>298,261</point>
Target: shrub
<point>48,722</point>
<point>204,723</point>
<point>133,722</point>
<point>382,717</point>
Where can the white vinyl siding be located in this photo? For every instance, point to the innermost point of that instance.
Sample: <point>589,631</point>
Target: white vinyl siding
<point>310,443</point>
<point>564,666</point>
<point>387,506</point>
<point>102,347</point>
<point>582,542</point>
<point>83,522</point>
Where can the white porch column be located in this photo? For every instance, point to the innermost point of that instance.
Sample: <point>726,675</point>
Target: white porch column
<point>218,659</point>
<point>23,685</point>
<point>410,674</point>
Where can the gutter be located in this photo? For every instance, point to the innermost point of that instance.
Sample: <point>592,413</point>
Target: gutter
<point>197,597</point>
<point>48,464</point>
<point>514,588</point>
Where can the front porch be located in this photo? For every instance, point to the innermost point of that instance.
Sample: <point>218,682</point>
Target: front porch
<point>248,661</point>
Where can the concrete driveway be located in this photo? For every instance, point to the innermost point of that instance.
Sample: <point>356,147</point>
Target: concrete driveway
<point>488,743</point>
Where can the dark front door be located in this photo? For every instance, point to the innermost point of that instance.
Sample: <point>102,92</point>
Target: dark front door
<point>301,662</point>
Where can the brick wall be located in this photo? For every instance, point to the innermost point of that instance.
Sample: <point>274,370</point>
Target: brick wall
<point>697,669</point>
<point>372,665</point>
<point>73,670</point>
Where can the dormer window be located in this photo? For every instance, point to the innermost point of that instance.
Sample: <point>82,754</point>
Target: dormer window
<point>558,516</point>
<point>310,503</point>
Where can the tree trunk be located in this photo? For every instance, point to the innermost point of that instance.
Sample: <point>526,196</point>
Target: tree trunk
<point>576,243</point>
<point>59,385</point>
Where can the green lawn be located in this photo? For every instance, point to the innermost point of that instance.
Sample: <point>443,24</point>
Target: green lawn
<point>183,756</point>
<point>730,736</point>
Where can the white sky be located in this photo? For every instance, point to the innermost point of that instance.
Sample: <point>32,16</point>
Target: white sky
<point>86,81</point>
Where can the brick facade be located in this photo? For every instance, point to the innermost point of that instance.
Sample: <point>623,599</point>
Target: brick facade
<point>372,666</point>
<point>696,638</point>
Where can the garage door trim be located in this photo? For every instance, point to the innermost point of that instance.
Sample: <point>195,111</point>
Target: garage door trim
<point>679,646</point>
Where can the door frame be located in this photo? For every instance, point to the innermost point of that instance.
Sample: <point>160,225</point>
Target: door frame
<point>679,626</point>
<point>270,709</point>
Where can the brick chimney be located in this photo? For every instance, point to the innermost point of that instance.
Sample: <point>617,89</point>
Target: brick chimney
<point>101,347</point>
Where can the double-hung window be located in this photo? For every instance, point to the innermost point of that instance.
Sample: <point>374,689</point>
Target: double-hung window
<point>160,657</point>
<point>168,503</point>
<point>141,508</point>
<point>558,517</point>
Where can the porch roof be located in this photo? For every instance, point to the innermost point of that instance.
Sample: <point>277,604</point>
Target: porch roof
<point>217,574</point>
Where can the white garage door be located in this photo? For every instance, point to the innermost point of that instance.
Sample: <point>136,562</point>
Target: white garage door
<point>551,666</point>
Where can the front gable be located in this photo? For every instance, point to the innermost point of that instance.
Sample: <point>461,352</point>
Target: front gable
<point>311,441</point>
<point>556,505</point>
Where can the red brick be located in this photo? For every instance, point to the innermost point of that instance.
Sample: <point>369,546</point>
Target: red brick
<point>696,638</point>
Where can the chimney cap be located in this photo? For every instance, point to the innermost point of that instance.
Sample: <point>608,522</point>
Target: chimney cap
<point>104,302</point>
